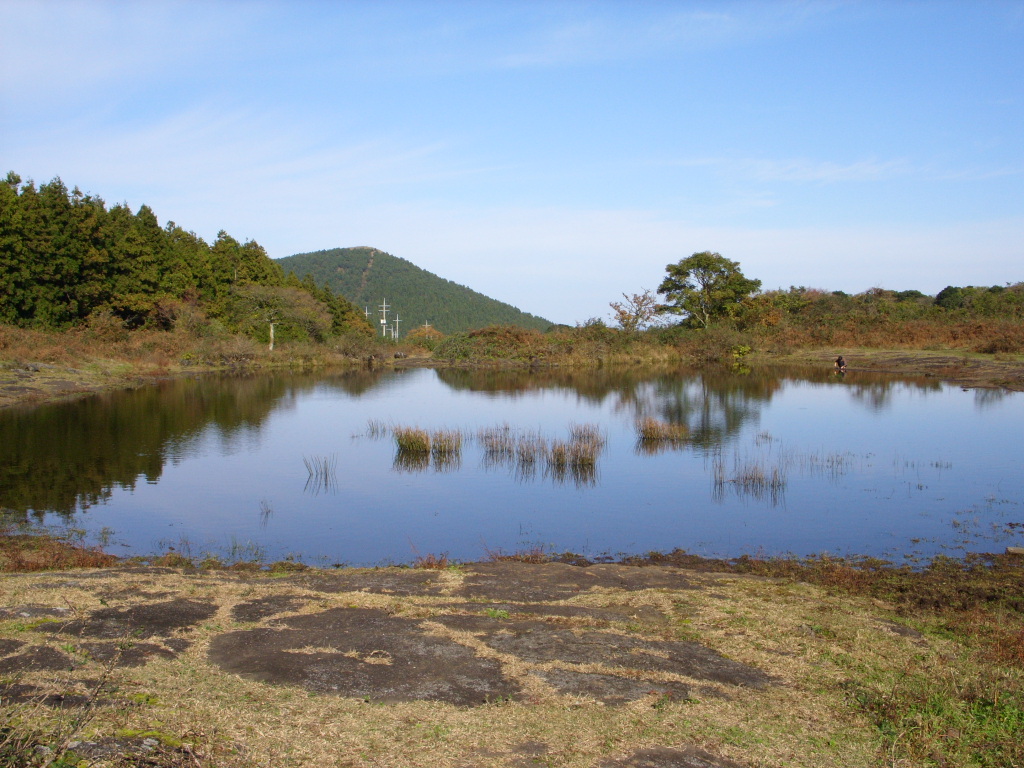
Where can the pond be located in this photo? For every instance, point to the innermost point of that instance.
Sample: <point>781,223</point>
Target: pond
<point>769,462</point>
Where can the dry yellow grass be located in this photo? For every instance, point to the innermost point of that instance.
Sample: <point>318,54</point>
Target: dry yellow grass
<point>813,644</point>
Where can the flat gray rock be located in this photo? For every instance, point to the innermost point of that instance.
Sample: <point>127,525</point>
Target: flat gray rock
<point>362,653</point>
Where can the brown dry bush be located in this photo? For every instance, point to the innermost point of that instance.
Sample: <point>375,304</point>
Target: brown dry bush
<point>433,562</point>
<point>24,553</point>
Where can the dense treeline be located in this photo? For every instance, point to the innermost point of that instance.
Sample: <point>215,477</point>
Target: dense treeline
<point>67,259</point>
<point>366,276</point>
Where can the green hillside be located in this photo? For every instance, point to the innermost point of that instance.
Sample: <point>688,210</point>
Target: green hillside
<point>367,276</point>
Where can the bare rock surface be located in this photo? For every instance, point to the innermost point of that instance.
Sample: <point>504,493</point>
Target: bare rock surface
<point>487,632</point>
<point>363,653</point>
<point>139,621</point>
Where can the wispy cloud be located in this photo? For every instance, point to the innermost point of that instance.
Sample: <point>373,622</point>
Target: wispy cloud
<point>804,170</point>
<point>603,32</point>
<point>67,49</point>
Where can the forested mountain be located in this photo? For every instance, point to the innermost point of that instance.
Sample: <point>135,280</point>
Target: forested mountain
<point>66,258</point>
<point>367,276</point>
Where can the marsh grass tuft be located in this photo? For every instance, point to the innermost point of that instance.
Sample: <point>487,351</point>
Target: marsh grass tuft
<point>445,442</point>
<point>589,434</point>
<point>655,436</point>
<point>751,477</point>
<point>523,452</point>
<point>531,450</point>
<point>417,448</point>
<point>655,430</point>
<point>412,440</point>
<point>575,459</point>
<point>498,442</point>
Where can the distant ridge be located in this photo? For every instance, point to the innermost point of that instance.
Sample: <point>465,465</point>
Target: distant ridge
<point>366,276</point>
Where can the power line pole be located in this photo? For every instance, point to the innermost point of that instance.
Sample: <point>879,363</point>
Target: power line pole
<point>384,318</point>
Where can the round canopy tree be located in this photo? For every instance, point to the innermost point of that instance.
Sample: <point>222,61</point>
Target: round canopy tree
<point>704,286</point>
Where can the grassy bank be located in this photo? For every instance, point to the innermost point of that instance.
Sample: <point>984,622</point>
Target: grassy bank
<point>869,665</point>
<point>36,366</point>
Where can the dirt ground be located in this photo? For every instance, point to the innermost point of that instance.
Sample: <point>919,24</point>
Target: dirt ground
<point>492,664</point>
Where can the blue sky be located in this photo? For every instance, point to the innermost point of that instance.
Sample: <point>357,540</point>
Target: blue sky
<point>550,154</point>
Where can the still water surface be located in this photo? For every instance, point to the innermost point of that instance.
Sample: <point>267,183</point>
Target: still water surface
<point>863,465</point>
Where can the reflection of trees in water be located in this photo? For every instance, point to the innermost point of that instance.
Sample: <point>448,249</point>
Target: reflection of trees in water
<point>593,384</point>
<point>71,455</point>
<point>876,391</point>
<point>713,404</point>
<point>357,381</point>
<point>987,397</point>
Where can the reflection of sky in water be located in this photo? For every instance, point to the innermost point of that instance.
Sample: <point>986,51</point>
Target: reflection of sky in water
<point>886,469</point>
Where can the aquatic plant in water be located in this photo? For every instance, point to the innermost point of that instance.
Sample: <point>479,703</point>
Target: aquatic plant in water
<point>654,434</point>
<point>412,440</point>
<point>322,472</point>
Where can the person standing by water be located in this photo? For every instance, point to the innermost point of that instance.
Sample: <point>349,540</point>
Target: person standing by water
<point>840,365</point>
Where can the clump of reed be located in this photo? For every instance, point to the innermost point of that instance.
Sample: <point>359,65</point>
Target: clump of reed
<point>569,453</point>
<point>498,442</point>
<point>445,442</point>
<point>412,440</point>
<point>576,458</point>
<point>322,472</point>
<point>586,434</point>
<point>752,477</point>
<point>376,429</point>
<point>530,448</point>
<point>756,478</point>
<point>417,448</point>
<point>654,434</point>
<point>446,449</point>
